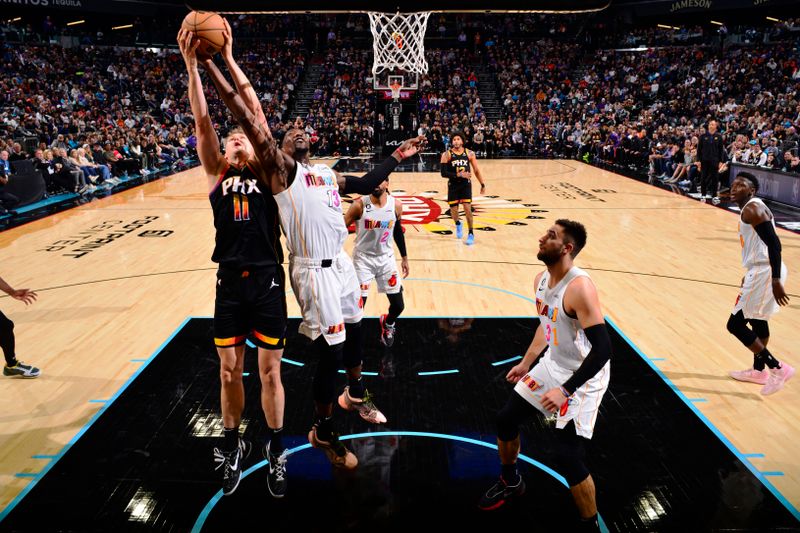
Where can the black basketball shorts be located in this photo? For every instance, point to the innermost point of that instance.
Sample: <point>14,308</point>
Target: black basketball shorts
<point>459,191</point>
<point>250,303</point>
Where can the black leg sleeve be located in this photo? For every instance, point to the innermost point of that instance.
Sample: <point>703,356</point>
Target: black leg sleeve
<point>396,306</point>
<point>7,342</point>
<point>324,386</point>
<point>353,345</point>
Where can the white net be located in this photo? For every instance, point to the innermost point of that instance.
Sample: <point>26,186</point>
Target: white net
<point>398,41</point>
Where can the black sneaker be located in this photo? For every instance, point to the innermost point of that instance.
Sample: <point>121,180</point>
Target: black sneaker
<point>276,477</point>
<point>231,464</point>
<point>501,493</point>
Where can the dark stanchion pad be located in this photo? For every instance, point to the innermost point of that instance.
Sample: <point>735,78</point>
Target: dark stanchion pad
<point>146,462</point>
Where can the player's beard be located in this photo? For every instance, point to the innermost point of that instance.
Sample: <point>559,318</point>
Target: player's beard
<point>549,258</point>
<point>377,192</point>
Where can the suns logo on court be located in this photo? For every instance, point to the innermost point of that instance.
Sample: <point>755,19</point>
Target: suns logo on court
<point>428,211</point>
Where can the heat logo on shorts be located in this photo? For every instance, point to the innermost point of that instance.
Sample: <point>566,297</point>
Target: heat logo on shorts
<point>393,280</point>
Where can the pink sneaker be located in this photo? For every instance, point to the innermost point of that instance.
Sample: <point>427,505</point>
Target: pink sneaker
<point>365,407</point>
<point>777,377</point>
<point>751,375</point>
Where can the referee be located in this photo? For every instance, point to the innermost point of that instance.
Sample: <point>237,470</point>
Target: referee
<point>710,153</point>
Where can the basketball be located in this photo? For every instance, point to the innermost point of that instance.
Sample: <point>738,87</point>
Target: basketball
<point>209,28</point>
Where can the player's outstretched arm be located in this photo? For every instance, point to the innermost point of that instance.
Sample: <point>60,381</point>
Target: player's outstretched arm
<point>367,183</point>
<point>243,85</point>
<point>269,158</point>
<point>23,295</point>
<point>207,140</point>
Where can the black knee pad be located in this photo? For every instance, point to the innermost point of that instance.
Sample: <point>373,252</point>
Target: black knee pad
<point>507,426</point>
<point>396,303</point>
<point>353,345</point>
<point>324,386</point>
<point>737,326</point>
<point>516,411</point>
<point>570,455</point>
<point>760,328</point>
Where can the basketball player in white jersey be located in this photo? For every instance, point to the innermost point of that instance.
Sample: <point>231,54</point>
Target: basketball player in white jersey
<point>762,287</point>
<point>570,354</point>
<point>322,275</point>
<point>377,217</point>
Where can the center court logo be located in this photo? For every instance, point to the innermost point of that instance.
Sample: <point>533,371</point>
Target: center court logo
<point>432,214</point>
<point>427,212</point>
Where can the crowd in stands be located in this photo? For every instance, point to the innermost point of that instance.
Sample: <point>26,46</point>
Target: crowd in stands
<point>97,114</point>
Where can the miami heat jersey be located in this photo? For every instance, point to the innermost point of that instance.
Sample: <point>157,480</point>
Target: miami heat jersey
<point>311,213</point>
<point>565,337</point>
<point>460,162</point>
<point>374,230</point>
<point>754,250</point>
<point>248,233</point>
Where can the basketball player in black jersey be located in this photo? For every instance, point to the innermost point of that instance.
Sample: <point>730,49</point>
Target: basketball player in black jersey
<point>250,298</point>
<point>280,167</point>
<point>458,164</point>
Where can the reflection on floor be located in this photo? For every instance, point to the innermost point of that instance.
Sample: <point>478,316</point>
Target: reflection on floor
<point>146,462</point>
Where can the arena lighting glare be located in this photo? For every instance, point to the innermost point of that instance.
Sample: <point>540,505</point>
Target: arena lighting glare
<point>75,22</point>
<point>717,23</point>
<point>16,19</point>
<point>122,27</point>
<point>773,19</point>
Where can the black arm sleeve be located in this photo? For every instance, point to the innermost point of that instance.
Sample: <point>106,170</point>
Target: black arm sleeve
<point>367,183</point>
<point>767,233</point>
<point>448,171</point>
<point>400,238</point>
<point>597,358</point>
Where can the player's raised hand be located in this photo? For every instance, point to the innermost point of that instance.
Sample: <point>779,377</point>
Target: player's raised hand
<point>227,48</point>
<point>410,147</point>
<point>188,46</point>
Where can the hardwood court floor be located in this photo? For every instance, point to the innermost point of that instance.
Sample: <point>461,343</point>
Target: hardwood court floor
<point>117,276</point>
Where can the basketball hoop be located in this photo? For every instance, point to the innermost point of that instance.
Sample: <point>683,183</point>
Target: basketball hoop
<point>398,41</point>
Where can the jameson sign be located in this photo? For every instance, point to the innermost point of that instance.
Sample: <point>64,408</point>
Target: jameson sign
<point>662,7</point>
<point>690,4</point>
<point>87,6</point>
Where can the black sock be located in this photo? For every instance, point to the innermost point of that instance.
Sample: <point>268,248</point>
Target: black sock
<point>231,439</point>
<point>356,387</point>
<point>470,231</point>
<point>509,473</point>
<point>275,442</point>
<point>324,427</point>
<point>765,358</point>
<point>12,363</point>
